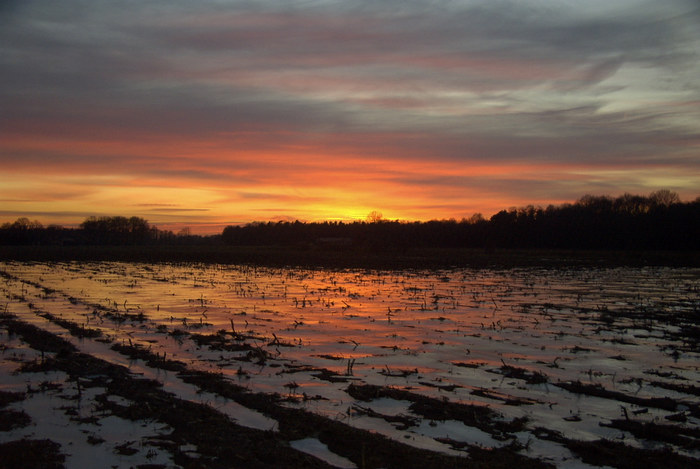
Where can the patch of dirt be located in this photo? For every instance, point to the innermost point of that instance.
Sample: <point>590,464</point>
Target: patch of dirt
<point>687,438</point>
<point>480,417</point>
<point>10,419</point>
<point>7,397</point>
<point>530,377</point>
<point>665,403</point>
<point>619,455</point>
<point>31,454</point>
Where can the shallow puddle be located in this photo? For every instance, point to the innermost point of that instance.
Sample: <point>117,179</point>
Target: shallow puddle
<point>504,339</point>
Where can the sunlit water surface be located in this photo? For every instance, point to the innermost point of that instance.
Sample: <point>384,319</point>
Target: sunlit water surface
<point>441,333</point>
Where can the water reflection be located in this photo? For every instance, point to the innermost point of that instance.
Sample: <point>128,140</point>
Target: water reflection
<point>491,337</point>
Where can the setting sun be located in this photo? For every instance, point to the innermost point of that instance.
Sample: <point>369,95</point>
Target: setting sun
<point>212,114</point>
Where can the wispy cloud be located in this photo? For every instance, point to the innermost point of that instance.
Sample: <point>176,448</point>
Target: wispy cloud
<point>327,108</point>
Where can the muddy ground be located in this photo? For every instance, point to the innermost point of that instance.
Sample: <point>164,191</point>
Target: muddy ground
<point>75,391</point>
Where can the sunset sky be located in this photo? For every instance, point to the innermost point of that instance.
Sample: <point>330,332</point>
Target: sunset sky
<point>209,113</point>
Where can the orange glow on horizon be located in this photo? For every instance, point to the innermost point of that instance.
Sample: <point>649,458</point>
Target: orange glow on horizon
<point>204,187</point>
<point>213,114</point>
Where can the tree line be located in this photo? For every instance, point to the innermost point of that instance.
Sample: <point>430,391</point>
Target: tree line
<point>659,221</point>
<point>92,231</point>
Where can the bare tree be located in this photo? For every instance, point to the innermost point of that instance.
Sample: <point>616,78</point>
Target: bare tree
<point>374,216</point>
<point>664,197</point>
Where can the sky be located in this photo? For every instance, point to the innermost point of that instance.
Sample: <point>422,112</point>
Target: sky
<point>203,114</point>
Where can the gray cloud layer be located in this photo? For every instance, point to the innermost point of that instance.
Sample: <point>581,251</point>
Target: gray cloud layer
<point>610,84</point>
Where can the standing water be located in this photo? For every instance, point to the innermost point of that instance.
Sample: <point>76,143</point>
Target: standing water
<point>563,356</point>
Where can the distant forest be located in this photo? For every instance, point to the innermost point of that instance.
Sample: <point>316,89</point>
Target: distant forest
<point>659,221</point>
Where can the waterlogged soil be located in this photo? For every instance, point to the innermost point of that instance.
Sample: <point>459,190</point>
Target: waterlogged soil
<point>188,365</point>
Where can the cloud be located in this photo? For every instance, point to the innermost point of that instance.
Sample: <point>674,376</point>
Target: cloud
<point>38,213</point>
<point>178,210</point>
<point>234,98</point>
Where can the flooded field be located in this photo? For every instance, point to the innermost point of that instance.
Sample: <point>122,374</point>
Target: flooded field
<point>537,367</point>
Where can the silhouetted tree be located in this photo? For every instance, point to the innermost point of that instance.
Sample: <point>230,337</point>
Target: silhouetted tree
<point>116,230</point>
<point>664,197</point>
<point>657,221</point>
<point>374,217</point>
